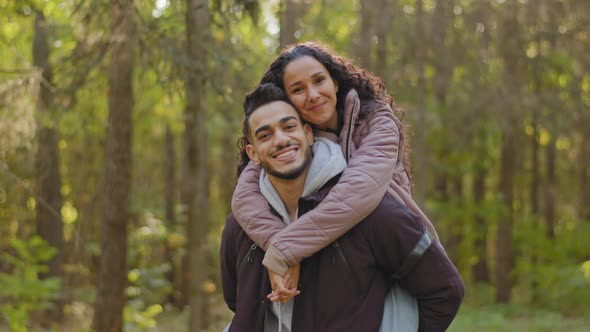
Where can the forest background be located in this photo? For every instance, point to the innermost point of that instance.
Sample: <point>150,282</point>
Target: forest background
<point>118,123</point>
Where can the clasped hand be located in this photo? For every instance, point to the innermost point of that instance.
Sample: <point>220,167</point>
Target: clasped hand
<point>284,288</point>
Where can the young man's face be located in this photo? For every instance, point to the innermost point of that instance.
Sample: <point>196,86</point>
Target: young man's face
<point>279,142</point>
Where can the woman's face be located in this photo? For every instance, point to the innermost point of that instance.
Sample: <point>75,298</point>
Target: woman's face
<point>312,90</point>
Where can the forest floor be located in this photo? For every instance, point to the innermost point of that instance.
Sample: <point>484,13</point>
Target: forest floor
<point>472,317</point>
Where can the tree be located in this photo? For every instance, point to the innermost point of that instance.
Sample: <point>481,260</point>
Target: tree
<point>196,153</point>
<point>510,53</point>
<point>288,14</point>
<point>112,275</point>
<point>49,220</point>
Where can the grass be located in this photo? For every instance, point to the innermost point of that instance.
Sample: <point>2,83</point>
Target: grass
<point>515,317</point>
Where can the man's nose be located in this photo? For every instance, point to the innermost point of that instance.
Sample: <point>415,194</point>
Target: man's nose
<point>281,138</point>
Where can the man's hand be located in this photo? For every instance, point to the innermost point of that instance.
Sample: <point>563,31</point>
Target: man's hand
<point>284,288</point>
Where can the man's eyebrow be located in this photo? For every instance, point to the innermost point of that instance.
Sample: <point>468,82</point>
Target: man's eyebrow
<point>287,118</point>
<point>281,121</point>
<point>313,75</point>
<point>262,128</point>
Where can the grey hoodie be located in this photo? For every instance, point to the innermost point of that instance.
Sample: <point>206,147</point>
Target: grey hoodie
<point>328,161</point>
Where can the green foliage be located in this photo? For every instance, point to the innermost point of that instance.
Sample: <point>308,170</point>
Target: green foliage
<point>22,291</point>
<point>148,288</point>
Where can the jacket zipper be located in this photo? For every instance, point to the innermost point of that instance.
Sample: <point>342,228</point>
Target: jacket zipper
<point>248,257</point>
<point>348,134</point>
<point>336,246</point>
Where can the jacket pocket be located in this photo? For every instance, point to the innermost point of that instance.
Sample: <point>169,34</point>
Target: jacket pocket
<point>342,258</point>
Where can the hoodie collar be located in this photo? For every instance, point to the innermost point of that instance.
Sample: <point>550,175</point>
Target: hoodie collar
<point>327,162</point>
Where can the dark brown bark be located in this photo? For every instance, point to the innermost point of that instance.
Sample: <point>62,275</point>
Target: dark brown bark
<point>49,200</point>
<point>481,271</point>
<point>288,21</point>
<point>169,204</point>
<point>584,150</point>
<point>443,69</point>
<point>421,127</point>
<point>382,30</point>
<point>112,276</point>
<point>550,189</point>
<point>196,143</point>
<point>510,52</point>
<point>365,34</point>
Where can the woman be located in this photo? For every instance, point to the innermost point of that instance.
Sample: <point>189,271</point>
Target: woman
<point>350,106</point>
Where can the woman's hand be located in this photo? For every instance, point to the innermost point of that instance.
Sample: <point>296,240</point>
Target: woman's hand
<point>284,288</point>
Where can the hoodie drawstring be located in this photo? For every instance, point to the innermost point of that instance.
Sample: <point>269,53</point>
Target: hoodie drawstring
<point>280,317</point>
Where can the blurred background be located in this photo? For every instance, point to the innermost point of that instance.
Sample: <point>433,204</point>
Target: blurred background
<point>118,129</point>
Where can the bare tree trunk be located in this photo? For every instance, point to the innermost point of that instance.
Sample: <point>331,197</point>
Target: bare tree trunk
<point>584,150</point>
<point>196,142</point>
<point>288,21</point>
<point>170,203</point>
<point>421,127</point>
<point>536,112</point>
<point>49,220</point>
<point>383,27</point>
<point>365,34</point>
<point>481,271</point>
<point>112,279</point>
<point>444,69</point>
<point>550,189</point>
<point>510,53</point>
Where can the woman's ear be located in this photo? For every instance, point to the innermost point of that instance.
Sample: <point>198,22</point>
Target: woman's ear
<point>252,154</point>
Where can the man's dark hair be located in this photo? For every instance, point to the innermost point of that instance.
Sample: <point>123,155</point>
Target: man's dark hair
<point>262,95</point>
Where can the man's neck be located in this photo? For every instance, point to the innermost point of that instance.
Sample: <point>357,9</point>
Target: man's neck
<point>290,191</point>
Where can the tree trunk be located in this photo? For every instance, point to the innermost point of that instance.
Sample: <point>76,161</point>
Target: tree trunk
<point>170,203</point>
<point>584,150</point>
<point>112,277</point>
<point>197,27</point>
<point>510,52</point>
<point>383,28</point>
<point>481,272</point>
<point>550,189</point>
<point>443,68</point>
<point>365,34</point>
<point>420,126</point>
<point>49,201</point>
<point>288,21</point>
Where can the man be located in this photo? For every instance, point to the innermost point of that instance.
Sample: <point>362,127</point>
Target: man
<point>343,286</point>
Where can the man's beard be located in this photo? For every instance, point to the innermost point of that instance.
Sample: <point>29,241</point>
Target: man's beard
<point>291,174</point>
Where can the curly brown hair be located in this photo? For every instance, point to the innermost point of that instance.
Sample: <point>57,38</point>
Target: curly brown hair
<point>344,72</point>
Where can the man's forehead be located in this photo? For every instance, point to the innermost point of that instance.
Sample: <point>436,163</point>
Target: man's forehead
<point>271,114</point>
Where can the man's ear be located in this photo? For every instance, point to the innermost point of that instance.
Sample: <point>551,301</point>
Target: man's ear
<point>308,133</point>
<point>252,154</point>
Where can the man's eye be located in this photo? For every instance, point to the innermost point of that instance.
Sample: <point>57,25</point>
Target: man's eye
<point>263,137</point>
<point>291,126</point>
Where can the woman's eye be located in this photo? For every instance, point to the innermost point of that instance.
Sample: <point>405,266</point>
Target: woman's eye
<point>296,90</point>
<point>320,79</point>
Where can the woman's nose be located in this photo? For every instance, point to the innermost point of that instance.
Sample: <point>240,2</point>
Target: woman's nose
<point>313,93</point>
